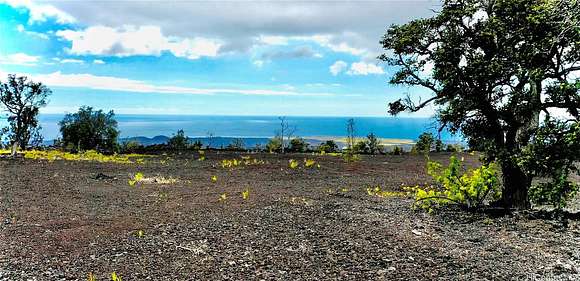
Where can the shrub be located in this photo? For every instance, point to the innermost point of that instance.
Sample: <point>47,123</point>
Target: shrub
<point>274,145</point>
<point>424,143</point>
<point>178,141</point>
<point>130,146</point>
<point>468,189</point>
<point>90,129</point>
<point>373,144</point>
<point>197,145</point>
<point>360,146</point>
<point>328,146</point>
<point>298,145</point>
<point>438,145</point>
<point>397,150</point>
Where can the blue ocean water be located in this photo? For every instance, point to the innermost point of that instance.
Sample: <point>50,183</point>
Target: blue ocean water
<point>259,126</point>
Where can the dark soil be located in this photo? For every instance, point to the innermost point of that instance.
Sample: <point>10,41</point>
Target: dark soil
<point>62,220</point>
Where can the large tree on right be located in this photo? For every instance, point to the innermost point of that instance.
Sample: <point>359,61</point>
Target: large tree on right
<point>505,73</point>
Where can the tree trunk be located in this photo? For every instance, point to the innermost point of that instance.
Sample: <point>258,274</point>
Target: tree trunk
<point>515,187</point>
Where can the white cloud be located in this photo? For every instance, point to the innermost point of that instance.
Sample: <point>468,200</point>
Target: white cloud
<point>89,81</point>
<point>20,28</point>
<point>338,67</point>
<point>40,12</point>
<point>98,62</point>
<point>130,40</point>
<point>258,63</point>
<point>19,59</point>
<point>334,43</point>
<point>71,61</point>
<point>362,68</point>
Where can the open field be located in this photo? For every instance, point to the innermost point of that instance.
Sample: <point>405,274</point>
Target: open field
<point>62,220</point>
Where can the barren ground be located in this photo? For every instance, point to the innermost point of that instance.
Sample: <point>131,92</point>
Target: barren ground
<point>60,221</point>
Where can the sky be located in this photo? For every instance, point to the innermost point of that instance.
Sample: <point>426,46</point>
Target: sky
<point>292,58</point>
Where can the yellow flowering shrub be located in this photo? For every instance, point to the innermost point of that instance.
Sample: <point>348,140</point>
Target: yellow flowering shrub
<point>466,188</point>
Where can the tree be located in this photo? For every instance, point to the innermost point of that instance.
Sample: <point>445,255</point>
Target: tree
<point>492,66</point>
<point>373,144</point>
<point>22,100</point>
<point>328,146</point>
<point>285,133</point>
<point>90,129</point>
<point>179,141</point>
<point>350,135</point>
<point>424,143</point>
<point>298,145</point>
<point>274,144</point>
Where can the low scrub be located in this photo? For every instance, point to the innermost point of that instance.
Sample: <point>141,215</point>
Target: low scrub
<point>456,185</point>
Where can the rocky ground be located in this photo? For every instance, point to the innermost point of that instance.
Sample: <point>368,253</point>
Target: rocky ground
<point>62,220</point>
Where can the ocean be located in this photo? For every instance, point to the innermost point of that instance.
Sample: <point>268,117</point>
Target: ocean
<point>259,127</point>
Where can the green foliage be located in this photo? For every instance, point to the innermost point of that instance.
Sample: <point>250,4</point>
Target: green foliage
<point>397,150</point>
<point>492,67</point>
<point>468,189</point>
<point>438,145</point>
<point>328,146</point>
<point>178,141</point>
<point>22,99</point>
<point>298,145</point>
<point>350,156</point>
<point>373,144</point>
<point>552,155</point>
<point>88,129</point>
<point>131,146</point>
<point>424,143</point>
<point>197,145</point>
<point>274,145</point>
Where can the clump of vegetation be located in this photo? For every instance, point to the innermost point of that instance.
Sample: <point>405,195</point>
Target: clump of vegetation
<point>201,155</point>
<point>88,129</point>
<point>349,157</point>
<point>328,146</point>
<point>90,155</point>
<point>246,194</point>
<point>274,145</point>
<point>214,179</point>
<point>116,277</point>
<point>293,164</point>
<point>137,178</point>
<point>468,189</point>
<point>424,143</point>
<point>298,145</point>
<point>223,197</point>
<point>246,160</point>
<point>397,150</point>
<point>130,146</point>
<point>178,141</point>
<point>22,99</point>
<point>553,155</point>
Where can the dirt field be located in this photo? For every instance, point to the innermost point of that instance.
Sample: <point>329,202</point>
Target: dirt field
<point>62,220</point>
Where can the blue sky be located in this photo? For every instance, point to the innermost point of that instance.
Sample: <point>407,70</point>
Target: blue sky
<point>195,57</point>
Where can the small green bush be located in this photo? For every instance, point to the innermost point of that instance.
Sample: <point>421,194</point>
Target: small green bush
<point>274,145</point>
<point>424,143</point>
<point>397,150</point>
<point>328,146</point>
<point>468,189</point>
<point>178,141</point>
<point>298,145</point>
